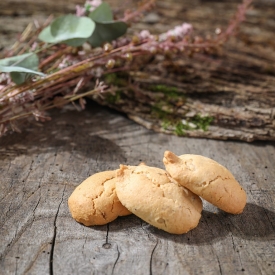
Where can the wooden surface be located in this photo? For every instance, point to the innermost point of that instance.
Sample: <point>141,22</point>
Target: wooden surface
<point>41,167</point>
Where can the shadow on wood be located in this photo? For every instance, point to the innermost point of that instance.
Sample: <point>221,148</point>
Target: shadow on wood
<point>255,223</point>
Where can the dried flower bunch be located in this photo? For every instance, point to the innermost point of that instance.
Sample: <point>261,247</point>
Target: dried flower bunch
<point>71,57</point>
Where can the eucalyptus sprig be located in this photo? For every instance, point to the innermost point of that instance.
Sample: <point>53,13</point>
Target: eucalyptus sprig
<point>96,28</point>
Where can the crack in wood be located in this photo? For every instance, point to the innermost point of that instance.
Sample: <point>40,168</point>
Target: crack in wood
<point>219,263</point>
<point>151,258</point>
<point>118,255</point>
<point>107,245</point>
<point>54,235</point>
<point>17,233</point>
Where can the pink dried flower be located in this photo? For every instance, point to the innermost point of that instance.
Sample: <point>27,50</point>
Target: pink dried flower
<point>82,103</point>
<point>80,11</point>
<point>92,5</point>
<point>178,32</point>
<point>66,62</point>
<point>88,7</point>
<point>97,72</point>
<point>120,42</point>
<point>145,35</point>
<point>100,86</point>
<point>3,78</point>
<point>40,115</point>
<point>3,129</point>
<point>34,46</point>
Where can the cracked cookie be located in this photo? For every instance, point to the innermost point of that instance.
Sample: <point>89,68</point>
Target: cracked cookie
<point>95,202</point>
<point>151,194</point>
<point>208,179</point>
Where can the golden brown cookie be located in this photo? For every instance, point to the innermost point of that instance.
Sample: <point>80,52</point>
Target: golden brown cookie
<point>95,202</point>
<point>208,179</point>
<point>152,195</point>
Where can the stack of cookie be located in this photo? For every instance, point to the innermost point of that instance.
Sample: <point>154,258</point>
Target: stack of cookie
<point>169,200</point>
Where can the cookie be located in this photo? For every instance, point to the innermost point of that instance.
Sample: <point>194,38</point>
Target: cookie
<point>152,195</point>
<point>208,179</point>
<point>95,202</point>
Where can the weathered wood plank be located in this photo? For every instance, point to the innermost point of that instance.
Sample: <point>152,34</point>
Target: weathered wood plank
<point>41,167</point>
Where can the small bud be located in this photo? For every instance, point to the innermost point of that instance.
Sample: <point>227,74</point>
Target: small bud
<point>174,50</point>
<point>87,47</point>
<point>74,51</point>
<point>128,56</point>
<point>173,38</point>
<point>208,37</point>
<point>107,47</point>
<point>190,53</point>
<point>207,50</point>
<point>153,50</point>
<point>198,39</point>
<point>218,31</point>
<point>167,50</point>
<point>187,39</point>
<point>110,64</point>
<point>135,39</point>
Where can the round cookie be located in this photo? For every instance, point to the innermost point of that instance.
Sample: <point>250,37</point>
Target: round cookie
<point>208,179</point>
<point>152,195</point>
<point>95,202</point>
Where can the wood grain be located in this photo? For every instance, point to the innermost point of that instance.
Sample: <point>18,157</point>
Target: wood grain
<point>41,167</point>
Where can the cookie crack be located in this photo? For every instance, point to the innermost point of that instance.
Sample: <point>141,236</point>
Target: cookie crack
<point>222,178</point>
<point>206,183</point>
<point>219,198</point>
<point>147,175</point>
<point>102,214</point>
<point>112,207</point>
<point>93,206</point>
<point>113,191</point>
<point>189,210</point>
<point>103,185</point>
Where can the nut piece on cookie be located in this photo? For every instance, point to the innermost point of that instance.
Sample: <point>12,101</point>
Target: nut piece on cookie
<point>152,195</point>
<point>208,179</point>
<point>95,202</point>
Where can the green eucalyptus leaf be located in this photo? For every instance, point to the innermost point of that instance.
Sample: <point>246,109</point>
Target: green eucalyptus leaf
<point>76,42</point>
<point>20,67</point>
<point>107,32</point>
<point>19,78</point>
<point>19,74</point>
<point>27,60</point>
<point>106,29</point>
<point>10,69</point>
<point>102,13</point>
<point>71,26</point>
<point>69,29</point>
<point>46,35</point>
